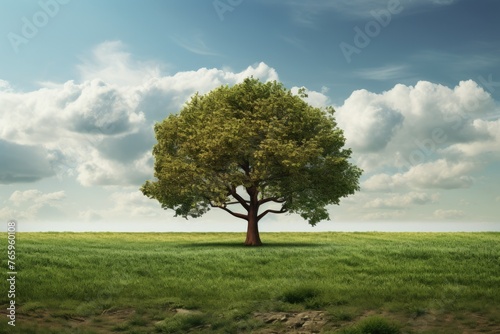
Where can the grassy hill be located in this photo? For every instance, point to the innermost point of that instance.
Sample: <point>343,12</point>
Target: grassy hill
<point>295,283</point>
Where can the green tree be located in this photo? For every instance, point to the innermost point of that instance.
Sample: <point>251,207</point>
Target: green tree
<point>251,149</point>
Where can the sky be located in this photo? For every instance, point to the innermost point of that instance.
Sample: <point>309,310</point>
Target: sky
<point>415,85</point>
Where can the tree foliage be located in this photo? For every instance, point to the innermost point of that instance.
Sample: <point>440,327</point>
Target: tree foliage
<point>249,145</point>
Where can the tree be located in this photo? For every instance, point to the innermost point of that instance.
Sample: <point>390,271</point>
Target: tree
<point>253,146</point>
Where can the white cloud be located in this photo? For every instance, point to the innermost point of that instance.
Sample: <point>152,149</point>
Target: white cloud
<point>97,170</point>
<point>23,163</point>
<point>33,204</point>
<point>379,182</point>
<point>110,63</point>
<point>384,73</point>
<point>4,86</point>
<point>135,204</point>
<point>69,111</point>
<point>439,174</point>
<point>126,206</point>
<point>177,88</point>
<point>100,130</point>
<point>401,201</point>
<point>101,109</point>
<point>316,99</point>
<point>426,125</point>
<point>449,214</point>
<point>368,125</point>
<point>34,196</point>
<point>489,146</point>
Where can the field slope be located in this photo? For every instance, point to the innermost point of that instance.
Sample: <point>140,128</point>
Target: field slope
<point>295,283</point>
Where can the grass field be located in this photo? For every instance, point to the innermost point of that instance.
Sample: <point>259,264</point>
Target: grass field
<point>297,282</point>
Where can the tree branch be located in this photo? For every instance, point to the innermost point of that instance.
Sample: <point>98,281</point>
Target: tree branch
<point>246,168</point>
<point>237,202</point>
<point>236,214</point>
<point>272,199</point>
<point>240,199</point>
<point>259,217</point>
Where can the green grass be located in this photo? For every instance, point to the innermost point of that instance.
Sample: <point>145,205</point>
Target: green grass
<point>373,325</point>
<point>133,282</point>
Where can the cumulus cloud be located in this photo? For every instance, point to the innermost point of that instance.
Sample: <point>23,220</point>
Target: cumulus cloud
<point>368,125</point>
<point>126,206</point>
<point>379,182</point>
<point>33,204</point>
<point>66,124</point>
<point>410,139</point>
<point>128,148</point>
<point>110,63</point>
<point>35,196</point>
<point>491,129</point>
<point>135,204</point>
<point>97,170</point>
<point>99,130</point>
<point>415,117</point>
<point>101,109</point>
<point>439,174</point>
<point>23,163</point>
<point>69,111</point>
<point>4,85</point>
<point>316,99</point>
<point>416,131</point>
<point>401,201</point>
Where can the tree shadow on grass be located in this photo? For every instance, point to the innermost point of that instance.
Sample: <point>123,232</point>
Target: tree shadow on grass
<point>242,245</point>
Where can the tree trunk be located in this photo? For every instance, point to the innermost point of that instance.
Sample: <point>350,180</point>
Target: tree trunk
<point>253,238</point>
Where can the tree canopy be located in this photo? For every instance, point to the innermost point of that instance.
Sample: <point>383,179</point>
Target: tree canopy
<point>249,146</point>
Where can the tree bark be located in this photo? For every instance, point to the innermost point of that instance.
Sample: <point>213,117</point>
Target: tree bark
<point>253,238</point>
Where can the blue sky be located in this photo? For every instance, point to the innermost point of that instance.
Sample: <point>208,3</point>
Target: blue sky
<point>416,86</point>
